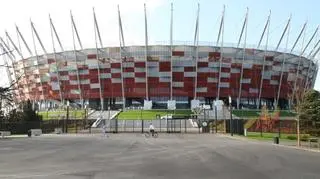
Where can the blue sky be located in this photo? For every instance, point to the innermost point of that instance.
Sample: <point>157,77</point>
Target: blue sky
<point>159,20</point>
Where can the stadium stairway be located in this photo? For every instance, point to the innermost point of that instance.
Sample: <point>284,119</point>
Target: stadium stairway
<point>100,117</point>
<point>221,114</point>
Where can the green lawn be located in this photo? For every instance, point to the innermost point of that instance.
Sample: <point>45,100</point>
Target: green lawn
<point>245,113</point>
<point>269,136</point>
<point>73,114</point>
<point>287,114</point>
<point>150,114</point>
<point>256,113</point>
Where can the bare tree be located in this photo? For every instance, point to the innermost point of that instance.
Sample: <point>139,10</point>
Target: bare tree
<point>295,105</point>
<point>7,97</point>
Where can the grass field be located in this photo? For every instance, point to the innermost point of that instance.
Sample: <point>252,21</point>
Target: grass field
<point>269,136</point>
<point>151,114</point>
<point>73,114</point>
<point>256,113</point>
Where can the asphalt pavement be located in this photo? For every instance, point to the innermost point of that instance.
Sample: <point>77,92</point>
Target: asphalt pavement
<point>178,156</point>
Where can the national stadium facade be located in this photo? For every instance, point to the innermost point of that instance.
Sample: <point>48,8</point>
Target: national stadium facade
<point>179,74</point>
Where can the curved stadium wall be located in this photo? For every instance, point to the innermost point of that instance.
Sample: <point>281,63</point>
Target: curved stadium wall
<point>88,76</point>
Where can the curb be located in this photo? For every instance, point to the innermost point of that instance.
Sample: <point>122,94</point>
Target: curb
<point>279,145</point>
<point>298,148</point>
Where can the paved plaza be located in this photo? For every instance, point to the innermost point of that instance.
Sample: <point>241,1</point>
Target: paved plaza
<point>178,156</point>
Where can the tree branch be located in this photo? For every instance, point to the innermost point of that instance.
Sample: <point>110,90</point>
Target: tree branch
<point>6,66</point>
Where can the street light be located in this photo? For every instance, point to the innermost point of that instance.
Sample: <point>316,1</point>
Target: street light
<point>142,123</point>
<point>85,117</point>
<point>231,122</point>
<point>216,115</point>
<point>109,117</point>
<point>85,111</point>
<point>67,118</point>
<point>47,113</point>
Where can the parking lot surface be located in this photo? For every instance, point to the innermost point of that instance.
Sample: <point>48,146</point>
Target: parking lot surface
<point>178,156</point>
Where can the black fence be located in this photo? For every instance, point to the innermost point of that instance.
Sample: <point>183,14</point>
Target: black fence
<point>161,125</point>
<point>237,126</point>
<point>112,126</point>
<point>48,126</point>
<point>128,126</point>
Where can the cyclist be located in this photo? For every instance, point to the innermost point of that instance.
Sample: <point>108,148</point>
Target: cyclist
<point>104,131</point>
<point>151,128</point>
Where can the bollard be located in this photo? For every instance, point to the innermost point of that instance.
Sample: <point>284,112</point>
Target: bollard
<point>29,133</point>
<point>276,140</point>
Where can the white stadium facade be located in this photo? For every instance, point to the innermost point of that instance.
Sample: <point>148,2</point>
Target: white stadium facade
<point>166,75</point>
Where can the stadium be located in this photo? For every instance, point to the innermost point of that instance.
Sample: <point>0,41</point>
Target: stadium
<point>166,75</point>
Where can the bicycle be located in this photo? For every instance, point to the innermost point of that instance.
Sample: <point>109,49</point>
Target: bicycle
<point>148,134</point>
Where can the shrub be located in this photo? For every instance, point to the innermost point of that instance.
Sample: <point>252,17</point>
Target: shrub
<point>291,137</point>
<point>314,132</point>
<point>304,137</point>
<point>314,140</point>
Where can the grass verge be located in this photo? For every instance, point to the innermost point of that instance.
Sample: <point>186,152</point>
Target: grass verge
<point>73,114</point>
<point>269,136</point>
<point>256,113</point>
<point>151,114</point>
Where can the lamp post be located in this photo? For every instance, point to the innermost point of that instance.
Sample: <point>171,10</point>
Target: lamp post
<point>47,113</point>
<point>279,130</point>
<point>216,115</point>
<point>298,130</point>
<point>67,118</point>
<point>86,111</point>
<point>85,117</point>
<point>231,122</point>
<point>109,113</point>
<point>142,123</point>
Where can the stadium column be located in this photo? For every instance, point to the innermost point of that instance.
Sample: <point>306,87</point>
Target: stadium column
<point>97,35</point>
<point>24,42</point>
<point>21,56</point>
<point>146,51</point>
<point>221,32</point>
<point>171,49</point>
<point>196,46</point>
<point>5,53</point>
<point>300,58</point>
<point>244,28</point>
<point>311,58</point>
<point>266,28</point>
<point>18,38</point>
<point>283,61</point>
<point>294,45</point>
<point>122,81</point>
<point>55,55</point>
<point>315,71</point>
<point>287,27</point>
<point>122,45</point>
<point>75,31</point>
<point>16,77</point>
<point>307,76</point>
<point>298,38</point>
<point>315,75</point>
<point>34,32</point>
